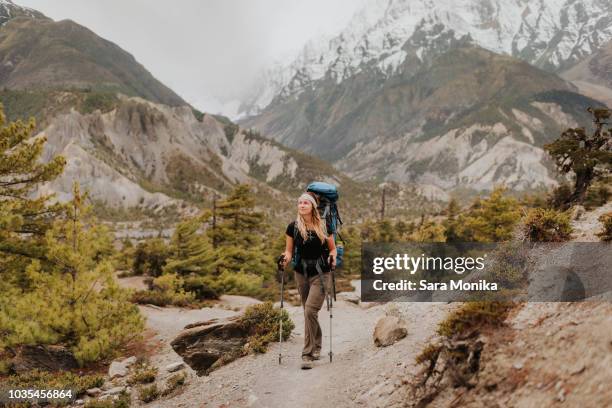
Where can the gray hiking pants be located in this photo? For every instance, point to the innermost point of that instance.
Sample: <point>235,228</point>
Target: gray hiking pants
<point>312,300</point>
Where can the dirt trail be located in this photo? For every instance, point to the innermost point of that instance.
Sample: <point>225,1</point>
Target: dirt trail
<point>588,225</point>
<point>360,375</point>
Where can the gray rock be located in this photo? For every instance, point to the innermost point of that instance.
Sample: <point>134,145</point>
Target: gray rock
<point>175,366</point>
<point>93,392</point>
<point>117,369</point>
<point>388,330</point>
<point>120,368</point>
<point>115,391</point>
<point>351,297</point>
<point>129,361</point>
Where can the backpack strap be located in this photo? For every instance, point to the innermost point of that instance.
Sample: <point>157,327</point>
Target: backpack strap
<point>295,246</point>
<point>295,234</point>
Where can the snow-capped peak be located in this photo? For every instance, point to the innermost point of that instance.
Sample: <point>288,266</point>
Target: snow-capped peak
<point>548,33</point>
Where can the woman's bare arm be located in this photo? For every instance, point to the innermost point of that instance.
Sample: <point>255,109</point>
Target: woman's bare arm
<point>288,249</point>
<point>331,244</point>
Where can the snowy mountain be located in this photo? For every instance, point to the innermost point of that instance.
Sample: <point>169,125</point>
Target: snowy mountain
<point>469,118</point>
<point>10,10</point>
<point>593,75</point>
<point>550,34</point>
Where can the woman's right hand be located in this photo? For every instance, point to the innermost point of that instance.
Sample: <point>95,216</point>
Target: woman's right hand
<point>286,258</point>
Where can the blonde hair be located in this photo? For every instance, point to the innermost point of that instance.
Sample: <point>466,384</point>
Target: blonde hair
<point>318,224</point>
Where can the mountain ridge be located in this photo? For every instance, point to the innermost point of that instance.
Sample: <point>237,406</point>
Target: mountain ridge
<point>379,128</point>
<point>39,53</point>
<point>550,34</point>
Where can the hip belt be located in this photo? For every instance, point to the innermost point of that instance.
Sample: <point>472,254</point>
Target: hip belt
<point>317,263</point>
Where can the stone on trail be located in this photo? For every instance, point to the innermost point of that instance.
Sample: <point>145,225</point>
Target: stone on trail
<point>175,366</point>
<point>388,330</point>
<point>120,368</point>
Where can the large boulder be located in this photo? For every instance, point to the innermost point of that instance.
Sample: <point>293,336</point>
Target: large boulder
<point>388,330</point>
<point>214,341</point>
<point>48,358</point>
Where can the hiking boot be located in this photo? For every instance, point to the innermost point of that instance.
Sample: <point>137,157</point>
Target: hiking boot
<point>316,355</point>
<point>307,362</point>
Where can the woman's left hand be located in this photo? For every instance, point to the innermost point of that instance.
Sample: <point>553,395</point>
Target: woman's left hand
<point>332,257</point>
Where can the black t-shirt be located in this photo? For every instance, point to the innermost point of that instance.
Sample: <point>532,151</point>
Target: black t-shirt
<point>313,248</point>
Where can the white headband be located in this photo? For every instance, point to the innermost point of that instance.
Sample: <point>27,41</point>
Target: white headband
<point>309,198</point>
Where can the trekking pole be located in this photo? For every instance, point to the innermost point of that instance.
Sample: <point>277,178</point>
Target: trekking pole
<point>281,270</point>
<point>330,306</point>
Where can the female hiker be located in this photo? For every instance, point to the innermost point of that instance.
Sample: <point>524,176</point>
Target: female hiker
<point>314,246</point>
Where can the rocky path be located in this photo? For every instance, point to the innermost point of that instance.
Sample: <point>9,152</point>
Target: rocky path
<point>588,225</point>
<point>361,374</point>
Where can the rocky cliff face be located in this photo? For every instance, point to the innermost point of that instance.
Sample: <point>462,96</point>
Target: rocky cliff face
<point>145,154</point>
<point>466,118</point>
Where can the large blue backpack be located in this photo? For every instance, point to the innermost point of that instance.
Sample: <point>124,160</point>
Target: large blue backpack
<point>328,209</point>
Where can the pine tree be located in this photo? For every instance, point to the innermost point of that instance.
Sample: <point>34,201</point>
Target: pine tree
<point>21,171</point>
<point>489,220</point>
<point>450,224</point>
<point>429,231</point>
<point>150,257</point>
<point>71,298</point>
<point>124,259</point>
<point>238,223</point>
<point>386,232</point>
<point>191,250</point>
<point>403,229</point>
<point>352,250</point>
<point>588,157</point>
<point>238,235</point>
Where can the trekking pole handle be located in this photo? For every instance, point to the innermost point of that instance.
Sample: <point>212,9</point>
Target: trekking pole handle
<point>280,262</point>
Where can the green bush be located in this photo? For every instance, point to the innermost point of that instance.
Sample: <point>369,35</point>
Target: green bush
<point>166,290</point>
<point>143,373</point>
<point>546,225</point>
<point>124,401</point>
<point>606,232</point>
<point>39,379</point>
<point>148,393</point>
<point>472,316</point>
<point>161,299</point>
<point>428,354</point>
<point>105,102</point>
<point>509,267</point>
<point>237,283</point>
<point>174,382</point>
<point>200,286</point>
<point>262,323</point>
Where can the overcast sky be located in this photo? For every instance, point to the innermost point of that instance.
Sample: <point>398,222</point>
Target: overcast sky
<point>205,50</point>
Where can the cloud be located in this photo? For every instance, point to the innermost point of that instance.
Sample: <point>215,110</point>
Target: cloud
<point>207,51</point>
